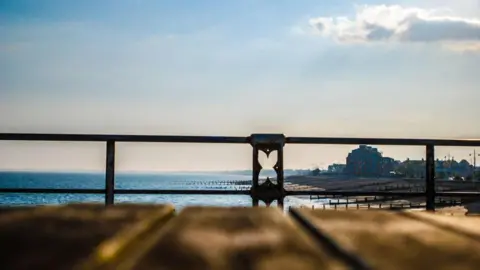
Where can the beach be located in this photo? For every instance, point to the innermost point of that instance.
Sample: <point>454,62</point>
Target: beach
<point>347,183</point>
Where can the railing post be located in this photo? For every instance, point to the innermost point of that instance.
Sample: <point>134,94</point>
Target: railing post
<point>256,168</point>
<point>430,178</point>
<point>110,173</point>
<point>267,191</point>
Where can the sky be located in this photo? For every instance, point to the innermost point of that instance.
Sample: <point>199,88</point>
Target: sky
<point>301,68</point>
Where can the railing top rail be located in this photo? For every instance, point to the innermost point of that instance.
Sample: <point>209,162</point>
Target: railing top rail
<point>381,141</point>
<point>230,139</point>
<point>121,138</point>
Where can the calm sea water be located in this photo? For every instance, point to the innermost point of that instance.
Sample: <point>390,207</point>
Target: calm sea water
<point>127,181</point>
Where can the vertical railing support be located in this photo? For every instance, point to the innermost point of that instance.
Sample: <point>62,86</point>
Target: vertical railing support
<point>267,191</point>
<point>110,174</point>
<point>430,178</point>
<point>256,168</point>
<point>280,175</point>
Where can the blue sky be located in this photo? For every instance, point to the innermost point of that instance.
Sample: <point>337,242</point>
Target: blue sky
<point>303,68</point>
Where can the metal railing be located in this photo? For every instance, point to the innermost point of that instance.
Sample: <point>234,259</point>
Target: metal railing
<point>267,143</point>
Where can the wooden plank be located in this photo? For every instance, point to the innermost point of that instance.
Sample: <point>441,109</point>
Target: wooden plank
<point>467,225</point>
<point>231,238</point>
<point>386,240</point>
<point>56,237</point>
<point>9,209</point>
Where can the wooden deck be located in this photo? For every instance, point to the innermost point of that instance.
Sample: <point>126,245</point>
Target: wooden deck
<point>128,236</point>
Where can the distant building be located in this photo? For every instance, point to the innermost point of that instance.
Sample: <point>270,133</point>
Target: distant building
<point>336,168</point>
<point>444,169</point>
<point>448,168</point>
<point>365,161</point>
<point>412,168</point>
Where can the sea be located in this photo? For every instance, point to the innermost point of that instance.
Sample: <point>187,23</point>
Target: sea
<point>132,181</point>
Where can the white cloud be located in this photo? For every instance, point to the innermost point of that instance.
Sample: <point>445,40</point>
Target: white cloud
<point>395,23</point>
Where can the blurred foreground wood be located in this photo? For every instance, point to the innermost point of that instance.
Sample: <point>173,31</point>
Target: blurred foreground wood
<point>127,236</point>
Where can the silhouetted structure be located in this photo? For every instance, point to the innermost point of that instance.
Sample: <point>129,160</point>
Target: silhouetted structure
<point>389,165</point>
<point>444,169</point>
<point>412,168</point>
<point>336,168</point>
<point>364,161</point>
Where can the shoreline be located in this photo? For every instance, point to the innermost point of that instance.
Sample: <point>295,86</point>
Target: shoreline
<point>367,184</point>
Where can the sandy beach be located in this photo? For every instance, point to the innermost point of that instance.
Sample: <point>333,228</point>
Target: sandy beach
<point>344,183</point>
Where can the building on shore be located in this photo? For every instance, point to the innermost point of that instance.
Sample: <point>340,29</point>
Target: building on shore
<point>336,168</point>
<point>412,168</point>
<point>367,161</point>
<point>452,168</point>
<point>444,169</point>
